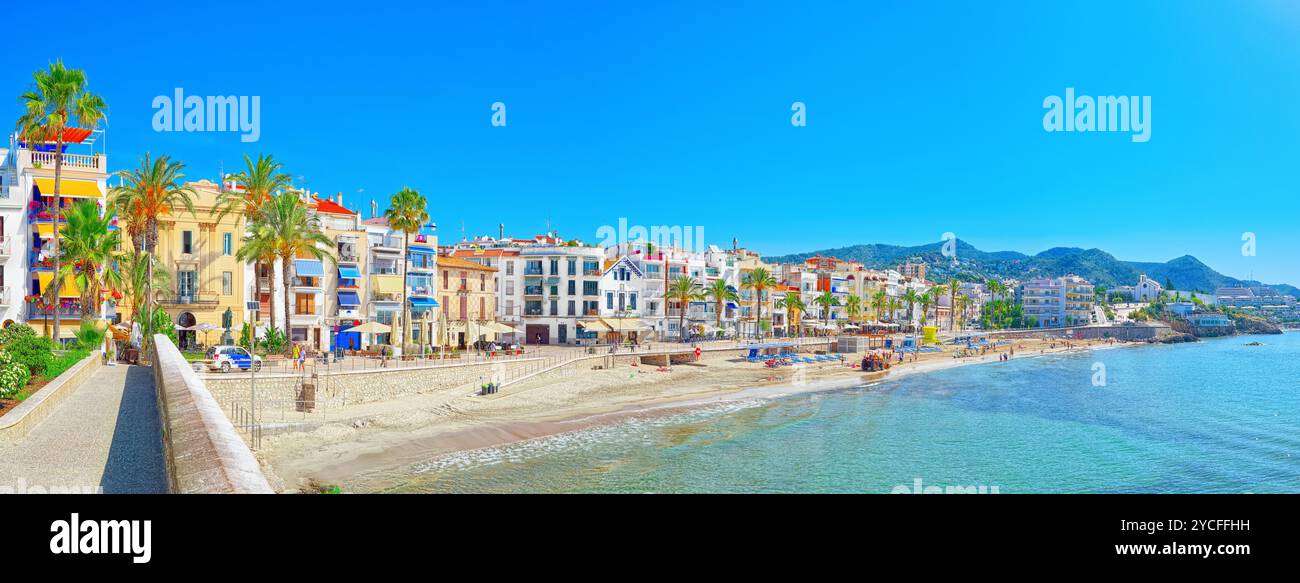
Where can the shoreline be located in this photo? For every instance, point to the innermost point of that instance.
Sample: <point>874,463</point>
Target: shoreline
<point>413,430</point>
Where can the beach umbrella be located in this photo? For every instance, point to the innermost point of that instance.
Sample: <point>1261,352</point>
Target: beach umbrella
<point>371,328</point>
<point>205,328</point>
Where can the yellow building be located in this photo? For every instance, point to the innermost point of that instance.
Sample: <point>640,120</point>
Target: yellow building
<point>468,302</point>
<point>207,281</point>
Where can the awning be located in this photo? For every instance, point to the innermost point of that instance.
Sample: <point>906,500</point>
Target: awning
<point>624,325</point>
<point>347,272</point>
<point>45,230</point>
<point>731,305</point>
<point>413,250</point>
<point>418,302</point>
<point>349,298</point>
<point>388,284</point>
<point>70,287</point>
<point>70,187</point>
<point>595,326</point>
<point>309,268</point>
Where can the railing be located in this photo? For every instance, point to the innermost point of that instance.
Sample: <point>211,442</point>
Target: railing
<point>4,296</point>
<point>190,299</point>
<point>34,311</point>
<point>88,162</point>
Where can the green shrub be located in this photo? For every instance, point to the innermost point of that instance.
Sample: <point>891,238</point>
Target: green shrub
<point>35,352</point>
<point>14,331</point>
<point>65,361</point>
<point>90,336</point>
<point>13,376</point>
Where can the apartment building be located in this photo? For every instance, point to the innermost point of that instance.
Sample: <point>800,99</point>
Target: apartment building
<point>1056,302</point>
<point>345,286</point>
<point>206,298</point>
<point>27,217</point>
<point>469,302</point>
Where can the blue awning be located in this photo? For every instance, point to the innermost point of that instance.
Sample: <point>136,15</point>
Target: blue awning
<point>349,298</point>
<point>347,272</point>
<point>731,305</point>
<point>417,302</point>
<point>413,250</point>
<point>308,268</point>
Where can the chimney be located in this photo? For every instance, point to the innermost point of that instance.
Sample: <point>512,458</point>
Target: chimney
<point>340,195</point>
<point>501,231</point>
<point>374,209</point>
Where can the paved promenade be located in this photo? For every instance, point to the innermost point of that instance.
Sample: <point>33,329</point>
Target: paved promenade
<point>106,435</point>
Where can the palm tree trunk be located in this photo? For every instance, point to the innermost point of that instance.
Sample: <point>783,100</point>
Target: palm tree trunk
<point>150,244</point>
<point>58,204</point>
<point>406,308</point>
<point>285,268</point>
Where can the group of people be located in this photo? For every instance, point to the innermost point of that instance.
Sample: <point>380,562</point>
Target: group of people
<point>299,357</point>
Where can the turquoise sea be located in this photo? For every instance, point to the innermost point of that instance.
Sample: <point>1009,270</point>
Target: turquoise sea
<point>1213,416</point>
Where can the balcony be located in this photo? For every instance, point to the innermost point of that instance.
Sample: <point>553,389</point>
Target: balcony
<point>71,309</point>
<point>534,271</point>
<point>191,298</point>
<point>91,162</point>
<point>592,272</point>
<point>353,312</point>
<point>533,290</point>
<point>419,266</point>
<point>4,296</point>
<point>420,290</point>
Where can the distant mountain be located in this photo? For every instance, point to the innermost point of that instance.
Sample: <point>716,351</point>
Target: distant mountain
<point>1099,267</point>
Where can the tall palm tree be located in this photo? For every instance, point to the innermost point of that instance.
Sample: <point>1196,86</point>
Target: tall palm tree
<point>154,189</point>
<point>794,308</point>
<point>893,304</point>
<point>255,185</point>
<point>139,277</point>
<point>964,302</point>
<point>721,292</point>
<point>58,102</point>
<point>926,300</point>
<point>879,301</point>
<point>910,297</point>
<point>826,300</point>
<point>258,247</point>
<point>760,281</point>
<point>954,288</point>
<point>295,232</point>
<point>853,307</point>
<point>684,290</point>
<point>89,249</point>
<point>407,213</point>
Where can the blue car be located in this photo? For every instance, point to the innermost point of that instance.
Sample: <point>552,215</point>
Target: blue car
<point>225,358</point>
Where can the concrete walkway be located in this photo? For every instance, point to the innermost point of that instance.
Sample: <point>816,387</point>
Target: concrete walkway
<point>107,437</point>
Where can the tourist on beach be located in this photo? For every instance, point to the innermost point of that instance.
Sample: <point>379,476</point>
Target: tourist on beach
<point>294,355</point>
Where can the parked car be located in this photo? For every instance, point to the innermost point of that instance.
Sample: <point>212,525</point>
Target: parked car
<point>225,358</point>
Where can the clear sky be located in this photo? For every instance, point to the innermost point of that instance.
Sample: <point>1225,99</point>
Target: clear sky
<point>922,117</point>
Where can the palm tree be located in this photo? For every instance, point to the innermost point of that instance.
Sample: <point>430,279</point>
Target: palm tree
<point>826,300</point>
<point>154,189</point>
<point>962,300</point>
<point>295,232</point>
<point>407,213</point>
<point>721,292</point>
<point>926,300</point>
<point>758,280</point>
<point>258,247</point>
<point>879,301</point>
<point>794,308</point>
<point>910,298</point>
<point>684,290</point>
<point>853,306</point>
<point>893,305</point>
<point>954,288</point>
<point>140,272</point>
<point>59,102</point>
<point>255,185</point>
<point>89,249</point>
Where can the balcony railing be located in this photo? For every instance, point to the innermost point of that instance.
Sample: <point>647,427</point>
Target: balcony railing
<point>82,161</point>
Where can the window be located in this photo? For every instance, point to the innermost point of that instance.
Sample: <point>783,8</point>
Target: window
<point>187,242</point>
<point>227,244</point>
<point>631,301</point>
<point>482,282</point>
<point>482,308</point>
<point>609,300</point>
<point>555,267</point>
<point>555,308</point>
<point>573,287</point>
<point>185,285</point>
<point>589,288</point>
<point>227,280</point>
<point>573,266</point>
<point>444,280</point>
<point>305,304</point>
<point>510,268</point>
<point>572,305</point>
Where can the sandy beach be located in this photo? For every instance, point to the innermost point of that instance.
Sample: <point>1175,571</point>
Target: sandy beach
<point>416,428</point>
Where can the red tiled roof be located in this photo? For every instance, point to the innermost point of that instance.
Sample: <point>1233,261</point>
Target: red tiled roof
<point>326,205</point>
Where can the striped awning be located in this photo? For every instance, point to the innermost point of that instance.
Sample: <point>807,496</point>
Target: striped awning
<point>388,284</point>
<point>309,268</point>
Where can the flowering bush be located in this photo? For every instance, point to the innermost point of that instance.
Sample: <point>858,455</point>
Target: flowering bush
<point>13,376</point>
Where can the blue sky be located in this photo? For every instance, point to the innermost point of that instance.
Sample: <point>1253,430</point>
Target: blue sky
<point>923,117</point>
